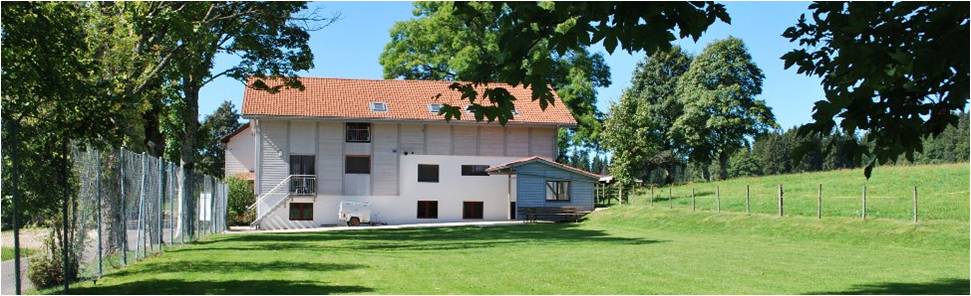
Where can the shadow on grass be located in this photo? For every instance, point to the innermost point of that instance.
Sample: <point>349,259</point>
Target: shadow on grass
<point>159,286</point>
<point>208,266</point>
<point>938,287</point>
<point>417,239</point>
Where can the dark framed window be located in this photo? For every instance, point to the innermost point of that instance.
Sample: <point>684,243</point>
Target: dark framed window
<point>357,164</point>
<point>301,164</point>
<point>301,211</point>
<point>558,190</point>
<point>474,170</point>
<point>427,209</point>
<point>428,173</point>
<point>512,210</point>
<point>472,210</point>
<point>358,132</point>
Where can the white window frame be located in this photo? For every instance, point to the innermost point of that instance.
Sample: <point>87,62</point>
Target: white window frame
<point>557,190</point>
<point>374,106</point>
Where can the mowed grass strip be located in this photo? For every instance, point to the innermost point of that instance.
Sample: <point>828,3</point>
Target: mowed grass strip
<point>943,192</point>
<point>622,250</point>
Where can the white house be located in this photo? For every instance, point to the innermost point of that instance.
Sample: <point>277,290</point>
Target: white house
<point>383,142</point>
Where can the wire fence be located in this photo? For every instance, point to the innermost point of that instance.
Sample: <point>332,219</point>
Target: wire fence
<point>125,207</point>
<point>814,200</point>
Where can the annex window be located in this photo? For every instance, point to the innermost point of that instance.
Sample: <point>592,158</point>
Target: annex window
<point>354,164</point>
<point>379,107</point>
<point>358,132</point>
<point>427,209</point>
<point>472,210</point>
<point>474,170</point>
<point>428,173</point>
<point>301,211</point>
<point>434,108</point>
<point>557,190</point>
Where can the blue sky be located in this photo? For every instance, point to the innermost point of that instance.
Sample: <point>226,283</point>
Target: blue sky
<point>350,49</point>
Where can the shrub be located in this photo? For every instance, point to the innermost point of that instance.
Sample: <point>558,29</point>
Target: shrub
<point>46,269</point>
<point>240,197</point>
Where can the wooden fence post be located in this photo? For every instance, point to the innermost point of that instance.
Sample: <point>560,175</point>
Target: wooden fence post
<point>819,202</point>
<point>652,195</point>
<point>748,207</point>
<point>863,212</point>
<point>718,199</point>
<point>781,203</point>
<point>692,199</point>
<point>915,204</point>
<point>670,198</point>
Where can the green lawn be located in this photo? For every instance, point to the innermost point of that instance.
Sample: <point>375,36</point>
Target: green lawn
<point>6,253</point>
<point>942,193</point>
<point>625,250</point>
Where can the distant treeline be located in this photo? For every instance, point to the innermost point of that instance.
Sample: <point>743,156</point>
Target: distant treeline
<point>775,153</point>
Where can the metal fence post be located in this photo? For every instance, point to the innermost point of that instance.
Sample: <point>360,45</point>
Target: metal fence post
<point>66,268</point>
<point>122,161</point>
<point>141,204</point>
<point>212,205</point>
<point>14,179</point>
<point>161,200</point>
<point>99,209</point>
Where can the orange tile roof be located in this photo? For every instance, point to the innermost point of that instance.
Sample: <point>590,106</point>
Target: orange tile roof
<point>406,100</point>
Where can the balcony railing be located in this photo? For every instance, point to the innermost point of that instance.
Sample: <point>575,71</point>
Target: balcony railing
<point>303,185</point>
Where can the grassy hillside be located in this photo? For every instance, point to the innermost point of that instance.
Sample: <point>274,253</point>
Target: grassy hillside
<point>942,193</point>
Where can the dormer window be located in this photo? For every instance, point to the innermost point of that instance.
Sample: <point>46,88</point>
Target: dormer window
<point>434,108</point>
<point>379,107</point>
<point>514,112</point>
<point>468,108</point>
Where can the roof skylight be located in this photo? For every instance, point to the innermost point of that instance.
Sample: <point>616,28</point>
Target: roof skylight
<point>379,107</point>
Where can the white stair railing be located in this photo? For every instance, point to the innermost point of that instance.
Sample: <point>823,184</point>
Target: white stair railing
<point>269,193</point>
<point>280,191</point>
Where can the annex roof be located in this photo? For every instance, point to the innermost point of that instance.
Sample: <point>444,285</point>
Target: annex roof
<point>506,167</point>
<point>407,100</point>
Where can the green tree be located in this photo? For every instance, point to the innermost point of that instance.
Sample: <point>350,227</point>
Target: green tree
<point>523,29</point>
<point>720,110</point>
<point>438,45</point>
<point>742,164</point>
<point>897,70</point>
<point>269,39</point>
<point>212,156</point>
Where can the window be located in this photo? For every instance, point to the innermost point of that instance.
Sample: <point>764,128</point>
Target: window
<point>358,132</point>
<point>472,210</point>
<point>357,164</point>
<point>434,108</point>
<point>428,173</point>
<point>474,170</point>
<point>301,164</point>
<point>557,190</point>
<point>301,211</point>
<point>379,106</point>
<point>427,209</point>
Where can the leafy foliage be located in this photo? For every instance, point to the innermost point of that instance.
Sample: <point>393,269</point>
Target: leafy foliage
<point>212,156</point>
<point>240,197</point>
<point>525,33</point>
<point>720,110</point>
<point>639,127</point>
<point>438,45</point>
<point>897,70</point>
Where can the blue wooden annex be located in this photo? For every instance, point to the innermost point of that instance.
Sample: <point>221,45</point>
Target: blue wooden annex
<point>543,185</point>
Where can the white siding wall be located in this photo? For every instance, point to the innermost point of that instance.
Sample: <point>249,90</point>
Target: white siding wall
<point>241,153</point>
<point>541,142</point>
<point>439,139</point>
<point>491,141</point>
<point>384,159</point>
<point>464,140</point>
<point>517,141</point>
<point>274,154</point>
<point>412,138</point>
<point>303,140</point>
<point>330,158</point>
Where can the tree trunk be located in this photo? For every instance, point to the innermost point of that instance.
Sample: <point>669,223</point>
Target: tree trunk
<point>706,171</point>
<point>723,165</point>
<point>190,126</point>
<point>154,140</point>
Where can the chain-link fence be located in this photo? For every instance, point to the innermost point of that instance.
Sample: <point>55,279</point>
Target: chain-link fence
<point>125,206</point>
